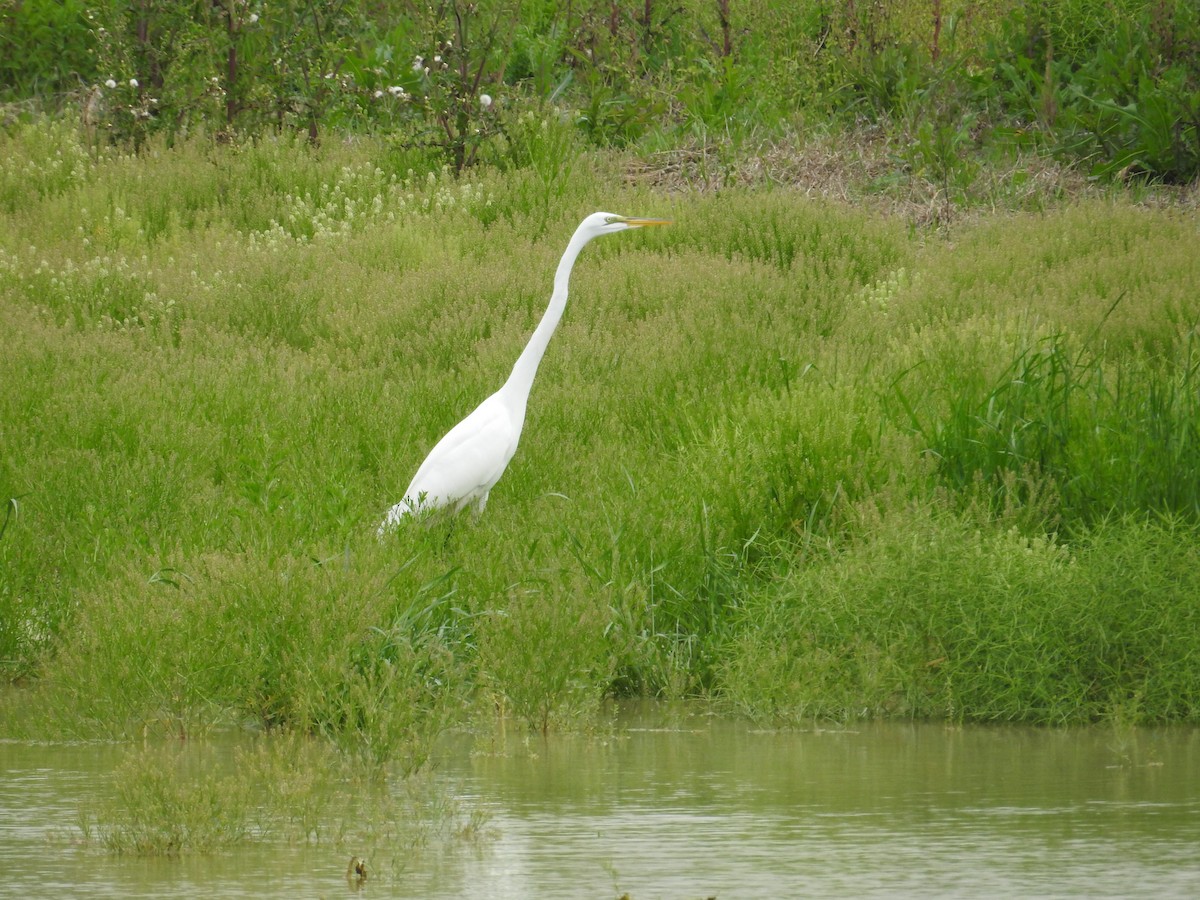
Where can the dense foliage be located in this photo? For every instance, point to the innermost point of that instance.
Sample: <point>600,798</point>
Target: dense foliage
<point>1112,84</point>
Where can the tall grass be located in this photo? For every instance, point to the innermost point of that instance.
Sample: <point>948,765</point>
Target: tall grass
<point>1109,437</point>
<point>776,452</point>
<point>936,617</point>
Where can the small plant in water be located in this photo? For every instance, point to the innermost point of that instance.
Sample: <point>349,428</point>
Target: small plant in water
<point>161,809</point>
<point>196,798</point>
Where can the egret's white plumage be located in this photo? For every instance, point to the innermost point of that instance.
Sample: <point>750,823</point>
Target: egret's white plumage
<point>465,465</point>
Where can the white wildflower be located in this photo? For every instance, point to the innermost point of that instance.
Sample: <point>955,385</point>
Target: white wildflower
<point>418,63</point>
<point>110,84</point>
<point>485,100</point>
<point>396,91</point>
<point>378,94</point>
<point>133,82</point>
<point>253,18</point>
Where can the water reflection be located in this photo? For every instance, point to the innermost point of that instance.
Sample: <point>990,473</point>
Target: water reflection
<point>718,808</point>
<point>676,803</point>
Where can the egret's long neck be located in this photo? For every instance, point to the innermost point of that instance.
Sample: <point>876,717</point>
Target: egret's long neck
<point>521,380</point>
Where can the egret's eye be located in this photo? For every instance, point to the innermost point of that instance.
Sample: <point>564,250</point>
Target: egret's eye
<point>612,220</point>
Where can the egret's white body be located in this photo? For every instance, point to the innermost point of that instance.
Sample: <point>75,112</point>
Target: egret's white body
<point>465,465</point>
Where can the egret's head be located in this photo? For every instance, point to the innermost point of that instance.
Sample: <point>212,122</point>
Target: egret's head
<point>606,223</point>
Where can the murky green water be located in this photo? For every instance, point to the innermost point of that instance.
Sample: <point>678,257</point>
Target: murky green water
<point>678,804</point>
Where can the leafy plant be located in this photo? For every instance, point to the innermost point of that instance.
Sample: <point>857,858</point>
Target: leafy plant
<point>45,48</point>
<point>1123,94</point>
<point>464,48</point>
<point>234,64</point>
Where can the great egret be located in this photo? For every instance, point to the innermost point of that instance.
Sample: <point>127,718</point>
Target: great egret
<point>465,465</point>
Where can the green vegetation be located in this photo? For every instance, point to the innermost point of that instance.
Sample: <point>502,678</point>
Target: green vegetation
<point>803,458</point>
<point>900,418</point>
<point>201,797</point>
<point>953,86</point>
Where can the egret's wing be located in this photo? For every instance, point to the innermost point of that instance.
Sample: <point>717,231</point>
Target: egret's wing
<point>468,460</point>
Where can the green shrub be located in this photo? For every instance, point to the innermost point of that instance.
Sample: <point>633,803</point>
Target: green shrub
<point>45,48</point>
<point>1115,86</point>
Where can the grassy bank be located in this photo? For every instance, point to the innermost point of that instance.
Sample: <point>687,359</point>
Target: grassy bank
<point>795,454</point>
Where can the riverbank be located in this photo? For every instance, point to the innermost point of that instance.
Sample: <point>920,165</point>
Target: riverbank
<point>806,457</point>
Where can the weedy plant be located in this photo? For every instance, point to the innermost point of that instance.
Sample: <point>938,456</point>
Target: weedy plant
<point>194,798</point>
<point>544,656</point>
<point>950,84</point>
<point>934,617</point>
<point>159,810</point>
<point>466,59</point>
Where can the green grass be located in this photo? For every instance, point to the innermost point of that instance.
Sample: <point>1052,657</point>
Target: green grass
<point>790,453</point>
<point>937,617</point>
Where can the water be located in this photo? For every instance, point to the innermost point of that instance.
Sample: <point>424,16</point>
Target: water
<point>675,803</point>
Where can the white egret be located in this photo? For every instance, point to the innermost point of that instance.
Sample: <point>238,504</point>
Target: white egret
<point>465,465</point>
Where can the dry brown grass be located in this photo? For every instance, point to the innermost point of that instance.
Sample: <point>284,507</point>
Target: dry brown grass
<point>865,166</point>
